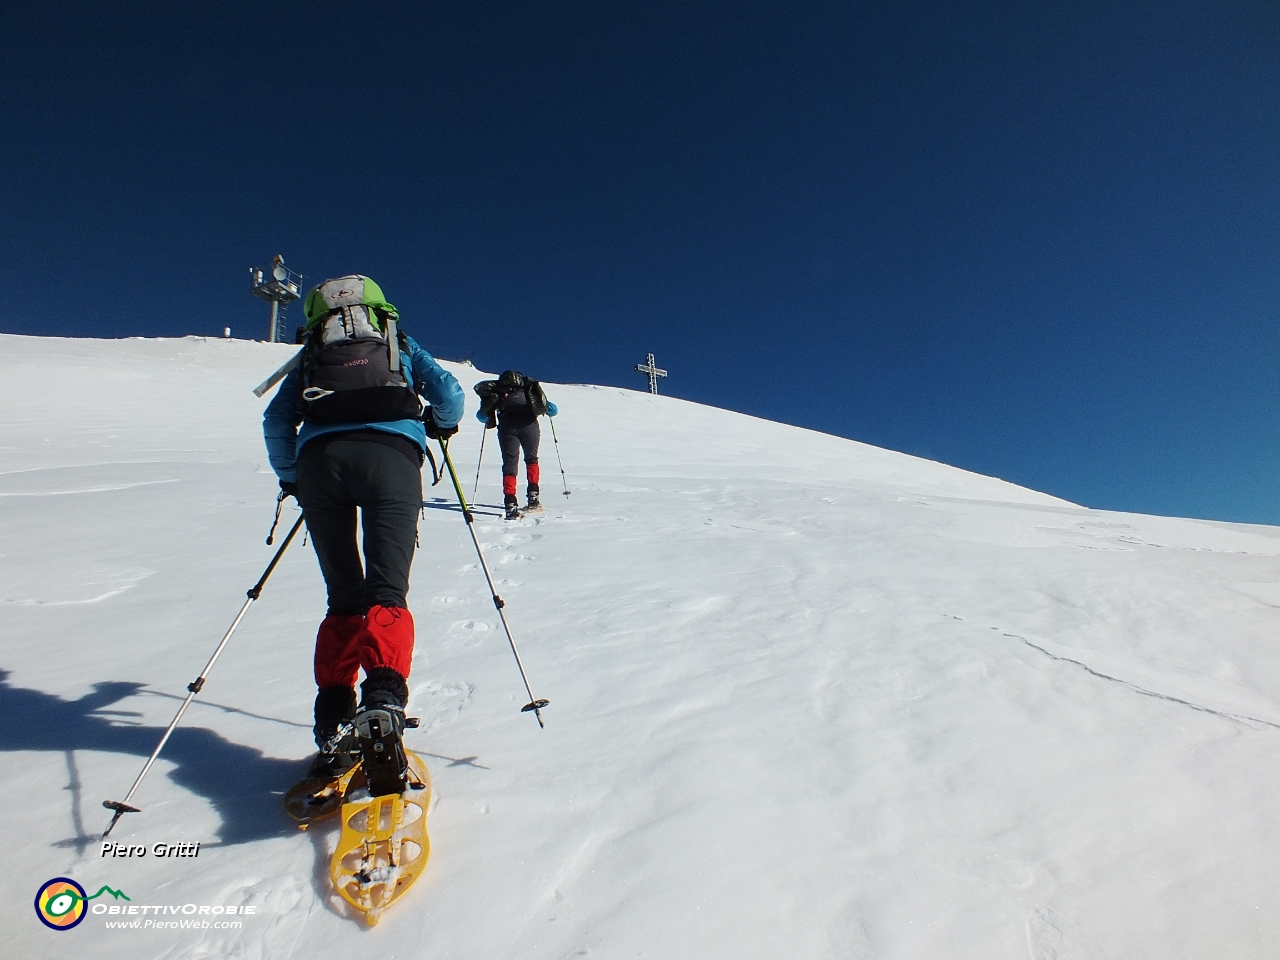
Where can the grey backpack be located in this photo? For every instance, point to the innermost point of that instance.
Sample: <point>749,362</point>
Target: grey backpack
<point>351,362</point>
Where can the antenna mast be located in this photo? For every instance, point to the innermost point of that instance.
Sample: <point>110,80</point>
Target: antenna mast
<point>280,291</point>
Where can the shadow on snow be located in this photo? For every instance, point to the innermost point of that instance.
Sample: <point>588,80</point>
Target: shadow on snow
<point>242,784</point>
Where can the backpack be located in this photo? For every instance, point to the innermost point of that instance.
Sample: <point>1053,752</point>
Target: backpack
<point>351,369</point>
<point>537,399</point>
<point>491,392</point>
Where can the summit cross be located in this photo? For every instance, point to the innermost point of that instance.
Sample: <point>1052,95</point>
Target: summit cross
<point>653,371</point>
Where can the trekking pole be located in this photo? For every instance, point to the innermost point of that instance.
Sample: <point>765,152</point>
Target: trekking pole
<point>563,479</point>
<point>534,703</point>
<point>478,462</point>
<point>121,807</point>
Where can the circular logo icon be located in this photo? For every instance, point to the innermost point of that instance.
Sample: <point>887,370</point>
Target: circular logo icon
<point>60,904</point>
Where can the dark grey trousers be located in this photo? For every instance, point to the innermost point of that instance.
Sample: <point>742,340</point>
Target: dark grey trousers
<point>512,440</point>
<point>335,477</point>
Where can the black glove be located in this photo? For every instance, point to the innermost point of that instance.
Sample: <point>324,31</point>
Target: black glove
<point>288,489</point>
<point>437,432</point>
<point>492,422</point>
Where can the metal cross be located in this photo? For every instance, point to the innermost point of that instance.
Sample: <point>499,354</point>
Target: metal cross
<point>654,372</point>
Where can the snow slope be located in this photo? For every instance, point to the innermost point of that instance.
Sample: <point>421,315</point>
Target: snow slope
<point>808,697</point>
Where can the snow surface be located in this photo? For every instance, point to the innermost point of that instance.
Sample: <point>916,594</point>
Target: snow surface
<point>808,697</point>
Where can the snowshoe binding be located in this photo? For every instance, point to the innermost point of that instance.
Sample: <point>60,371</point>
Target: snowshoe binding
<point>512,507</point>
<point>335,771</point>
<point>379,726</point>
<point>534,505</point>
<point>338,754</point>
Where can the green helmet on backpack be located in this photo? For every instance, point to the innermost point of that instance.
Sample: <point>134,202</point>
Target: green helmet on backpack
<point>340,292</point>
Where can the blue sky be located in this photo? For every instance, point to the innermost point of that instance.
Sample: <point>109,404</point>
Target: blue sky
<point>1036,241</point>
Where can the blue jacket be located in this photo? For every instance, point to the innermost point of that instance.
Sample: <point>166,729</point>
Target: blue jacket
<point>287,410</point>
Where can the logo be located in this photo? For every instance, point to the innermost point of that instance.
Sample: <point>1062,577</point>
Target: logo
<point>60,903</point>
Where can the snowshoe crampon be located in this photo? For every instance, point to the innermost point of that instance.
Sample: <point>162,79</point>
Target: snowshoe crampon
<point>383,848</point>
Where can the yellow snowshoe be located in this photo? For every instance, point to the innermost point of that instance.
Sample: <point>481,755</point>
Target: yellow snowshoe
<point>383,848</point>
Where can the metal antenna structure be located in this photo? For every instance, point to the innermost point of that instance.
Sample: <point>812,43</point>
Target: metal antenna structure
<point>653,371</point>
<point>279,291</point>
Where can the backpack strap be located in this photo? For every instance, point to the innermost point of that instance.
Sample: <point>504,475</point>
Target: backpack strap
<point>394,343</point>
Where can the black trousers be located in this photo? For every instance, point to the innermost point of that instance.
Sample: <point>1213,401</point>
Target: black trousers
<point>335,478</point>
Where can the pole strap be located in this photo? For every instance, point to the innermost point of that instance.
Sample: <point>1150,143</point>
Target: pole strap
<point>436,474</point>
<point>276,522</point>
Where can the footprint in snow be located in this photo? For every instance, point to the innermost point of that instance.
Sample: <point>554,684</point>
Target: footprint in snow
<point>473,632</point>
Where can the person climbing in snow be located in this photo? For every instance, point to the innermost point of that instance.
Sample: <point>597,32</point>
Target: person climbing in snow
<point>513,403</point>
<point>355,393</point>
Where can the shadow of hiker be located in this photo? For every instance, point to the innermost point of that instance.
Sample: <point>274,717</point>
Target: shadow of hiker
<point>451,506</point>
<point>242,784</point>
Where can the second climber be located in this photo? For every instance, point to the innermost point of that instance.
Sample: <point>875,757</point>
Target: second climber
<point>513,403</point>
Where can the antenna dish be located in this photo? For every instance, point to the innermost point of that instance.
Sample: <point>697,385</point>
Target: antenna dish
<point>280,272</point>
